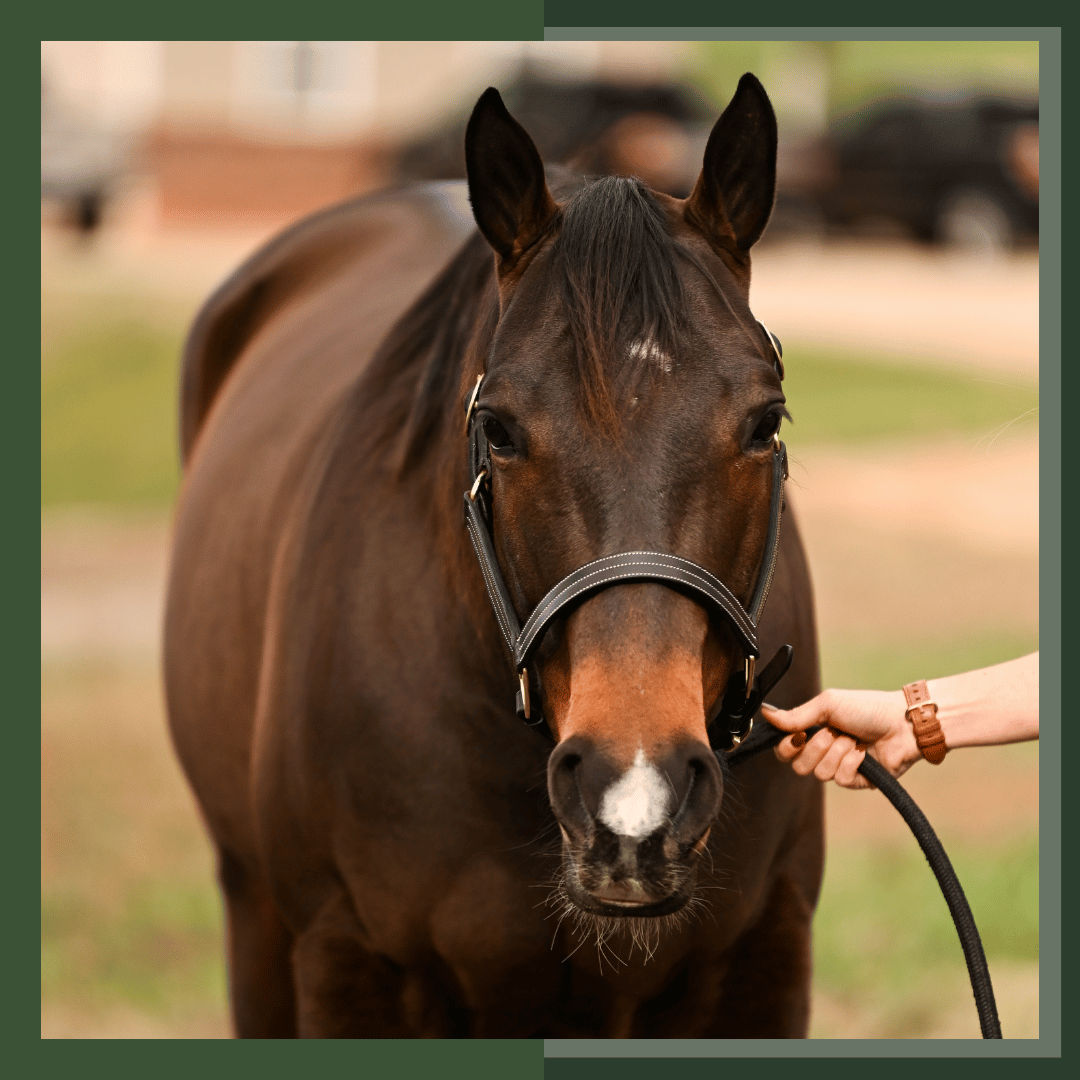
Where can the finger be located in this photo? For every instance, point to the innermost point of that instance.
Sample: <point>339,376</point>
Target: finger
<point>847,772</point>
<point>812,753</point>
<point>787,748</point>
<point>802,716</point>
<point>827,766</point>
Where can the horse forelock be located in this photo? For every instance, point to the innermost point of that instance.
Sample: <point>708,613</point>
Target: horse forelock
<point>616,269</point>
<point>622,292</point>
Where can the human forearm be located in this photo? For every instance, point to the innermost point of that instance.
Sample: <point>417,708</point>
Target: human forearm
<point>993,705</point>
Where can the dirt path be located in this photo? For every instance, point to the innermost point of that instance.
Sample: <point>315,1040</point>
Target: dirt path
<point>903,300</point>
<point>102,584</point>
<point>954,525</point>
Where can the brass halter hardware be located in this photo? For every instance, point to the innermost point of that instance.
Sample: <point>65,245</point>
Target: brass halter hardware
<point>523,682</point>
<point>475,393</point>
<point>481,476</point>
<point>737,739</point>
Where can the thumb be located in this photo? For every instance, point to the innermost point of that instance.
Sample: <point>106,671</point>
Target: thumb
<point>798,719</point>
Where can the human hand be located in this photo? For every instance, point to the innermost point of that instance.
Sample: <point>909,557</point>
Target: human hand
<point>851,721</point>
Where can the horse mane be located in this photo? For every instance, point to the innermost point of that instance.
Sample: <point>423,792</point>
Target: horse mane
<point>418,367</point>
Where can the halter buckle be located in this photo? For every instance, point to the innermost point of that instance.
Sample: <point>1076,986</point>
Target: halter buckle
<point>751,663</point>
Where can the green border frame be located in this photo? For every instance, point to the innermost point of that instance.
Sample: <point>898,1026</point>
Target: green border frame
<point>424,20</point>
<point>238,20</point>
<point>1049,1044</point>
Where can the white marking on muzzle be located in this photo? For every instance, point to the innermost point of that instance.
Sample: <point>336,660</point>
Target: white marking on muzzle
<point>636,804</point>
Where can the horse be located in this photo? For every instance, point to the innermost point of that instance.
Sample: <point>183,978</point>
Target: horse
<point>399,856</point>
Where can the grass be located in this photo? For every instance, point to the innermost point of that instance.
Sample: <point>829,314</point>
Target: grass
<point>131,920</point>
<point>160,947</point>
<point>110,375</point>
<point>876,663</point>
<point>885,944</point>
<point>865,932</point>
<point>838,398</point>
<point>108,410</point>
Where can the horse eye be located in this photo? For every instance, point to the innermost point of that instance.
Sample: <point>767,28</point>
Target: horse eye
<point>769,426</point>
<point>496,434</point>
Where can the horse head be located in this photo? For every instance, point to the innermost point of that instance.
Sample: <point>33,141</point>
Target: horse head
<point>629,403</point>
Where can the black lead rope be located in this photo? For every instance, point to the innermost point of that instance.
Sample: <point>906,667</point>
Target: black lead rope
<point>764,736</point>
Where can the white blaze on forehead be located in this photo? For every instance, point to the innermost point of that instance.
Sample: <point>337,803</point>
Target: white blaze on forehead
<point>636,804</point>
<point>647,349</point>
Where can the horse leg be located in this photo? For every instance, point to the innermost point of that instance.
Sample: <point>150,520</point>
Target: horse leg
<point>345,991</point>
<point>260,969</point>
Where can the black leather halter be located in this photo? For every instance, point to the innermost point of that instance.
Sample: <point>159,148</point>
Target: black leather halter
<point>732,717</point>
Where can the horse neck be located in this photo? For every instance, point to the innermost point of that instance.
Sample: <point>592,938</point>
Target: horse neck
<point>455,322</point>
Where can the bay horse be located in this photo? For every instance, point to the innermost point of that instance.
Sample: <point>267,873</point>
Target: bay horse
<point>399,856</point>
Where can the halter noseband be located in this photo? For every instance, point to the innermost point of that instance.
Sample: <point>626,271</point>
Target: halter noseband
<point>733,716</point>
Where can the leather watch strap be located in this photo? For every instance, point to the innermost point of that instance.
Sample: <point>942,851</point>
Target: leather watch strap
<point>922,712</point>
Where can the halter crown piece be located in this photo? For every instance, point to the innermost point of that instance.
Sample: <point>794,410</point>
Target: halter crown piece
<point>732,717</point>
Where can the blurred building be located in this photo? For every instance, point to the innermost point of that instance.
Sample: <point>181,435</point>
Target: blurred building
<point>229,131</point>
<point>258,133</point>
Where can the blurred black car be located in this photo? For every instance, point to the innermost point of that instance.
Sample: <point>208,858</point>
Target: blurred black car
<point>655,131</point>
<point>963,173</point>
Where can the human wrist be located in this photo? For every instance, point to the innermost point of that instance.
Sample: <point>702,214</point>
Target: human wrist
<point>922,713</point>
<point>910,752</point>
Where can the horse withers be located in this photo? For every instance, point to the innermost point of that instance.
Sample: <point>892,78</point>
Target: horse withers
<point>399,855</point>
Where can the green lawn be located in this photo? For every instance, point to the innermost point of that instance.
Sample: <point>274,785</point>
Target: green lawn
<point>108,409</point>
<point>875,663</point>
<point>158,952</point>
<point>885,946</point>
<point>864,930</point>
<point>838,398</point>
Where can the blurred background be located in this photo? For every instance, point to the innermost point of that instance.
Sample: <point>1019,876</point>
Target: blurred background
<point>900,271</point>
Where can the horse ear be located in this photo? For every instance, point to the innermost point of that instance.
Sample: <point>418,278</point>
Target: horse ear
<point>509,196</point>
<point>733,197</point>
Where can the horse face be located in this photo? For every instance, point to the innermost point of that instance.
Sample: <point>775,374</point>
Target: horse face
<point>630,402</point>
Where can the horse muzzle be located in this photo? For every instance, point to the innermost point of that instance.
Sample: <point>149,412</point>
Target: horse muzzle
<point>633,835</point>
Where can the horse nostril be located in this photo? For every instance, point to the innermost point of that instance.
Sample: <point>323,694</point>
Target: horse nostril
<point>569,762</point>
<point>701,800</point>
<point>564,790</point>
